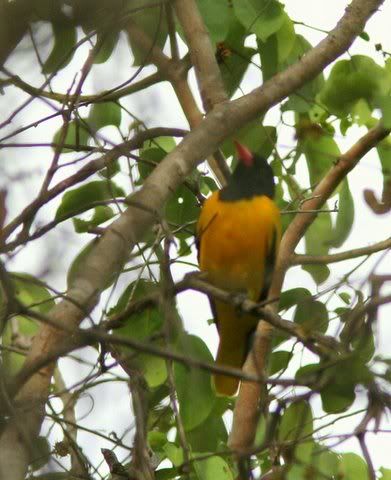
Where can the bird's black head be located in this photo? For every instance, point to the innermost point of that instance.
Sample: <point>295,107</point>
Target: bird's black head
<point>253,176</point>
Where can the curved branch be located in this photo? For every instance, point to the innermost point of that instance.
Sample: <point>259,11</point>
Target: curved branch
<point>108,96</point>
<point>321,193</point>
<point>251,395</point>
<point>342,256</point>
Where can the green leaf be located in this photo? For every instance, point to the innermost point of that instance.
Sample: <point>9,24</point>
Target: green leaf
<point>296,429</point>
<point>303,99</point>
<point>153,368</point>
<point>149,157</point>
<point>292,297</point>
<point>321,152</point>
<point>216,16</point>
<point>108,40</point>
<point>79,263</point>
<point>345,217</point>
<point>233,57</point>
<point>279,361</point>
<point>212,468</point>
<point>152,153</point>
<point>345,297</point>
<point>182,207</point>
<point>65,37</point>
<point>277,48</point>
<point>384,152</point>
<point>76,135</point>
<point>174,453</point>
<point>268,52</point>
<point>285,39</point>
<point>166,473</point>
<point>364,36</point>
<point>385,105</point>
<point>33,294</point>
<point>338,395</point>
<point>143,326</point>
<point>262,17</point>
<point>151,19</point>
<point>209,435</point>
<point>296,472</point>
<point>110,170</point>
<point>352,467</point>
<point>316,239</point>
<point>258,138</point>
<point>234,66</point>
<point>326,462</point>
<point>79,199</point>
<point>360,77</point>
<point>156,440</point>
<point>164,144</point>
<point>312,315</point>
<point>309,373</point>
<point>103,114</point>
<point>207,184</point>
<point>101,215</point>
<point>364,347</point>
<point>40,453</point>
<point>197,402</point>
<point>385,473</point>
<point>362,115</point>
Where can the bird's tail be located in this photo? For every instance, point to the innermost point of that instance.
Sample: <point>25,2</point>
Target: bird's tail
<point>234,330</point>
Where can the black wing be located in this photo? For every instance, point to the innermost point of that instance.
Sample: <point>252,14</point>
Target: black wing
<point>270,262</point>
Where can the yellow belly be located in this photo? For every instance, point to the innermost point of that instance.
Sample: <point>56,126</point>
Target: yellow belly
<point>234,240</point>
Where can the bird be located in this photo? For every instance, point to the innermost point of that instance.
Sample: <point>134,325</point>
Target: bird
<point>238,234</point>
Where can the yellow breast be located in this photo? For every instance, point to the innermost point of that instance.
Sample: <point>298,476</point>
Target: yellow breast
<point>234,240</point>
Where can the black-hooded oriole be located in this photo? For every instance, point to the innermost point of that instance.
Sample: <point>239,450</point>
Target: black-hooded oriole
<point>238,234</point>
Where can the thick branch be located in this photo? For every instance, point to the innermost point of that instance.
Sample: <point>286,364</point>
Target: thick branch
<point>202,54</point>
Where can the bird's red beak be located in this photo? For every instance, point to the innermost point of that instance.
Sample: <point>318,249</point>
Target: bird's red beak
<point>244,154</point>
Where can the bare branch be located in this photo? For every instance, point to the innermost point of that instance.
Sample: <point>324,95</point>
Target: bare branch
<point>342,256</point>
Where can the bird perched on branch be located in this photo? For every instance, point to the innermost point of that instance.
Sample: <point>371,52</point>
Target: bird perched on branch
<point>238,234</point>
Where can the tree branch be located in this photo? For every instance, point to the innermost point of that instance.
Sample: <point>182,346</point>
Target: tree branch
<point>247,406</point>
<point>86,171</point>
<point>202,54</point>
<point>177,76</point>
<point>106,96</point>
<point>342,256</point>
